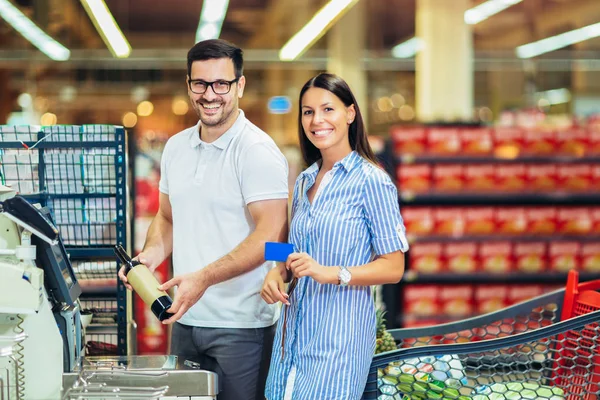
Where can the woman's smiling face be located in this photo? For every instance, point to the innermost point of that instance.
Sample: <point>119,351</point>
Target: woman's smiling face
<point>325,120</point>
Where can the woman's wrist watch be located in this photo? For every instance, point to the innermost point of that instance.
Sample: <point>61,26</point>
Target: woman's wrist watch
<point>344,276</point>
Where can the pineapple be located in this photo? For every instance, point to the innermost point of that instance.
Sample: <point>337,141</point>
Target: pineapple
<point>384,341</point>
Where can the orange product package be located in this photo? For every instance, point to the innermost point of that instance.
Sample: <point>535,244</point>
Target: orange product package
<point>421,300</point>
<point>595,178</point>
<point>496,257</point>
<point>573,141</point>
<point>490,298</point>
<point>476,141</point>
<point>448,177</point>
<point>564,256</point>
<point>426,258</point>
<point>518,294</point>
<point>541,177</point>
<point>461,257</point>
<point>541,220</point>
<point>418,220</point>
<point>574,177</point>
<point>574,220</point>
<point>456,300</point>
<point>530,257</point>
<point>510,177</point>
<point>480,178</point>
<point>409,140</point>
<point>443,141</point>
<point>415,178</point>
<point>449,221</point>
<point>594,141</point>
<point>510,220</point>
<point>540,141</point>
<point>508,141</point>
<point>480,221</point>
<point>590,257</point>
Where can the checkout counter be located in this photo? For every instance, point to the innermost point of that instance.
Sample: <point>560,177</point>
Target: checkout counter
<point>41,334</point>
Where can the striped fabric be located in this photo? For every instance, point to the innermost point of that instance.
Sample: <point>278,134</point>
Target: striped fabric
<point>330,334</point>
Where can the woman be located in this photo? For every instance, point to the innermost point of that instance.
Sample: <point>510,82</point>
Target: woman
<point>348,235</point>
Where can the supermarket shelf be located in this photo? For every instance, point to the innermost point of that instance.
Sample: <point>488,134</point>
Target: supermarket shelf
<point>490,159</point>
<point>453,199</point>
<point>56,145</point>
<point>411,277</point>
<point>90,252</point>
<point>101,329</point>
<point>593,238</point>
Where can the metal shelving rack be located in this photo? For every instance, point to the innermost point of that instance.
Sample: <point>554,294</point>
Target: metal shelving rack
<point>80,174</point>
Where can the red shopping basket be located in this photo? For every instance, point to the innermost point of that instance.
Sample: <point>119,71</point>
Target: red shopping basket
<point>578,351</point>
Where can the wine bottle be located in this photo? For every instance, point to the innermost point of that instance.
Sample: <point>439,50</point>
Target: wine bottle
<point>145,284</point>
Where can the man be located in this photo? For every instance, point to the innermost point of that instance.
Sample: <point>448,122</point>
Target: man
<point>223,194</point>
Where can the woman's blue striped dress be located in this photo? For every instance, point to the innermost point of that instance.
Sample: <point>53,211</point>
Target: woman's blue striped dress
<point>330,333</point>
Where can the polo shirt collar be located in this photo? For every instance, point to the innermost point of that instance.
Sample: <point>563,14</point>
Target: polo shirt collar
<point>223,141</point>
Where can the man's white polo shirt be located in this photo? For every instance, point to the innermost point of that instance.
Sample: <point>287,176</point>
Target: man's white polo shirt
<point>209,186</point>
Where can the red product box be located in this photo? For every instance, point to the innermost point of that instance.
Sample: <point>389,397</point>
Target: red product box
<point>480,177</point>
<point>541,220</point>
<point>449,221</point>
<point>540,141</point>
<point>541,177</point>
<point>594,141</point>
<point>508,141</point>
<point>414,178</point>
<point>574,177</point>
<point>530,257</point>
<point>564,256</point>
<point>448,177</point>
<point>461,257</point>
<point>574,220</point>
<point>456,301</point>
<point>519,293</point>
<point>595,178</point>
<point>590,257</point>
<point>490,298</point>
<point>426,257</point>
<point>496,257</point>
<point>476,141</point>
<point>510,177</point>
<point>511,220</point>
<point>441,140</point>
<point>595,217</point>
<point>418,220</point>
<point>480,221</point>
<point>422,300</point>
<point>572,141</point>
<point>409,140</point>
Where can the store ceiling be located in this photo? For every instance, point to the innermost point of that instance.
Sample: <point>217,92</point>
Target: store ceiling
<point>268,24</point>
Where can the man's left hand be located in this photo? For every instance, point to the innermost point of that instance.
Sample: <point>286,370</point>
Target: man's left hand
<point>190,288</point>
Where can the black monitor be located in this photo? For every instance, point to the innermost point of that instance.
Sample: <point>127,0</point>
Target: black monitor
<point>59,277</point>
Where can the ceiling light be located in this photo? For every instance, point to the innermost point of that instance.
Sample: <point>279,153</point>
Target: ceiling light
<point>107,27</point>
<point>485,10</point>
<point>32,32</point>
<point>559,41</point>
<point>408,48</point>
<point>554,96</point>
<point>315,28</point>
<point>211,19</point>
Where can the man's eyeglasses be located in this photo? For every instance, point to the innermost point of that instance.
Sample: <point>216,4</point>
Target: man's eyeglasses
<point>219,87</point>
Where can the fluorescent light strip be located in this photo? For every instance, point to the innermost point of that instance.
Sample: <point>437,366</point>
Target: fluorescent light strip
<point>107,27</point>
<point>211,19</point>
<point>32,32</point>
<point>314,29</point>
<point>408,48</point>
<point>559,41</point>
<point>485,10</point>
<point>554,96</point>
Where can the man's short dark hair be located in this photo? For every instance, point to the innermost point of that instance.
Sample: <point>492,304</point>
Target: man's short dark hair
<point>214,49</point>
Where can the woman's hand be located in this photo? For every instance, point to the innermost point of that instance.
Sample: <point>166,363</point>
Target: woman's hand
<point>301,264</point>
<point>273,289</point>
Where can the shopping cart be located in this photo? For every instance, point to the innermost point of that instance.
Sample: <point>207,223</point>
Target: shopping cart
<point>544,348</point>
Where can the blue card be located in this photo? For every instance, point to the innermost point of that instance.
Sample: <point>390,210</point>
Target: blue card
<point>275,251</point>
